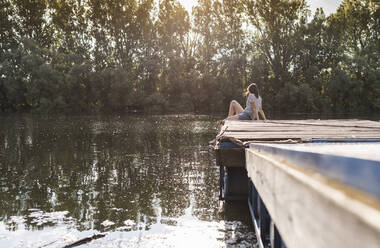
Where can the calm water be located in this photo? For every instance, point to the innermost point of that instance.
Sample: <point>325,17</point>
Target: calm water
<point>147,181</point>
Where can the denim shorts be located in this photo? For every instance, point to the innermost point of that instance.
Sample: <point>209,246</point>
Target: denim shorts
<point>244,116</point>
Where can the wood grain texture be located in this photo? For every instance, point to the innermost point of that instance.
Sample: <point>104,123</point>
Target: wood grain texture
<point>301,129</point>
<point>311,211</point>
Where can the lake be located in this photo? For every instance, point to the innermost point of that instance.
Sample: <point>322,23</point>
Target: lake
<point>144,181</point>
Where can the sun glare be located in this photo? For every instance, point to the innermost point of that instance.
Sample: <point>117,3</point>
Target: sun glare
<point>329,6</point>
<point>188,4</point>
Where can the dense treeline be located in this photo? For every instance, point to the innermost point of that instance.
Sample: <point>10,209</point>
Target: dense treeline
<point>113,55</point>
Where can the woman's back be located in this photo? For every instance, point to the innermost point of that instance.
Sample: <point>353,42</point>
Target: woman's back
<point>252,98</point>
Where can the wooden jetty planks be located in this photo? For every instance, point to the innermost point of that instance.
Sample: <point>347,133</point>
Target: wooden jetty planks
<point>354,164</point>
<point>299,135</point>
<point>323,205</point>
<point>310,210</point>
<point>303,129</point>
<point>337,123</point>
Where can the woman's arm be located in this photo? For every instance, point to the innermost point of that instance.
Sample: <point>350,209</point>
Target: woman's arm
<point>253,106</point>
<point>262,113</point>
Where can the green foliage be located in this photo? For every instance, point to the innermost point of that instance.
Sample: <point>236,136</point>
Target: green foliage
<point>91,55</point>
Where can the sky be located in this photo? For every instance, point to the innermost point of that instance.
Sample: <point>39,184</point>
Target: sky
<point>329,6</point>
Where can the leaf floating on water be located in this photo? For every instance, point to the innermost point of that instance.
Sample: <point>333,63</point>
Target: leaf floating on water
<point>107,223</point>
<point>33,209</point>
<point>129,223</point>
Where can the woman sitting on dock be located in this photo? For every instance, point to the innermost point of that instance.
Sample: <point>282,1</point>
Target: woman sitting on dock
<point>252,109</point>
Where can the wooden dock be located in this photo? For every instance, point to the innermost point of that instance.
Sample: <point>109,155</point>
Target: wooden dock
<point>301,130</point>
<point>309,183</point>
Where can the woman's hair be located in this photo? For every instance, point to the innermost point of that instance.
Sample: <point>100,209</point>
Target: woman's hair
<point>252,88</point>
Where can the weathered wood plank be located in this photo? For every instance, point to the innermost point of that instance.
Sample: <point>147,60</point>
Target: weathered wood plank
<point>354,164</point>
<point>342,123</point>
<point>337,123</point>
<point>298,129</point>
<point>309,208</point>
<point>307,132</point>
<point>279,135</point>
<point>302,129</point>
<point>312,211</point>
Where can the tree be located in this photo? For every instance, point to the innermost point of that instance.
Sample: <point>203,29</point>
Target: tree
<point>30,16</point>
<point>276,23</point>
<point>355,27</point>
<point>173,25</point>
<point>117,55</point>
<point>8,41</point>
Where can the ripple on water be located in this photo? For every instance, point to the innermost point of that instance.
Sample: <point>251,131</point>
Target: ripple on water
<point>188,232</point>
<point>149,181</point>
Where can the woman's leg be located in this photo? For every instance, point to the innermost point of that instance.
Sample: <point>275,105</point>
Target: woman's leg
<point>235,108</point>
<point>232,117</point>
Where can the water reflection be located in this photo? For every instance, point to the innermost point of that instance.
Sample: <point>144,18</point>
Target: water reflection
<point>105,172</point>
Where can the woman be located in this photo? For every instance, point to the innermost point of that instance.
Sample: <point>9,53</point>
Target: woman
<point>252,109</point>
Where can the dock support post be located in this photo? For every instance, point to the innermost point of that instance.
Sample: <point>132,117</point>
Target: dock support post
<point>252,197</point>
<point>267,235</point>
<point>221,182</point>
<point>232,173</point>
<point>264,221</point>
<point>275,237</point>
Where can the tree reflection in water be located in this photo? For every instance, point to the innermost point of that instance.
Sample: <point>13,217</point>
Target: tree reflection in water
<point>95,170</point>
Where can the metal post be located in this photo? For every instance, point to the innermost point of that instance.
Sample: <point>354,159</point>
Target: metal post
<point>275,237</point>
<point>221,182</point>
<point>264,222</point>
